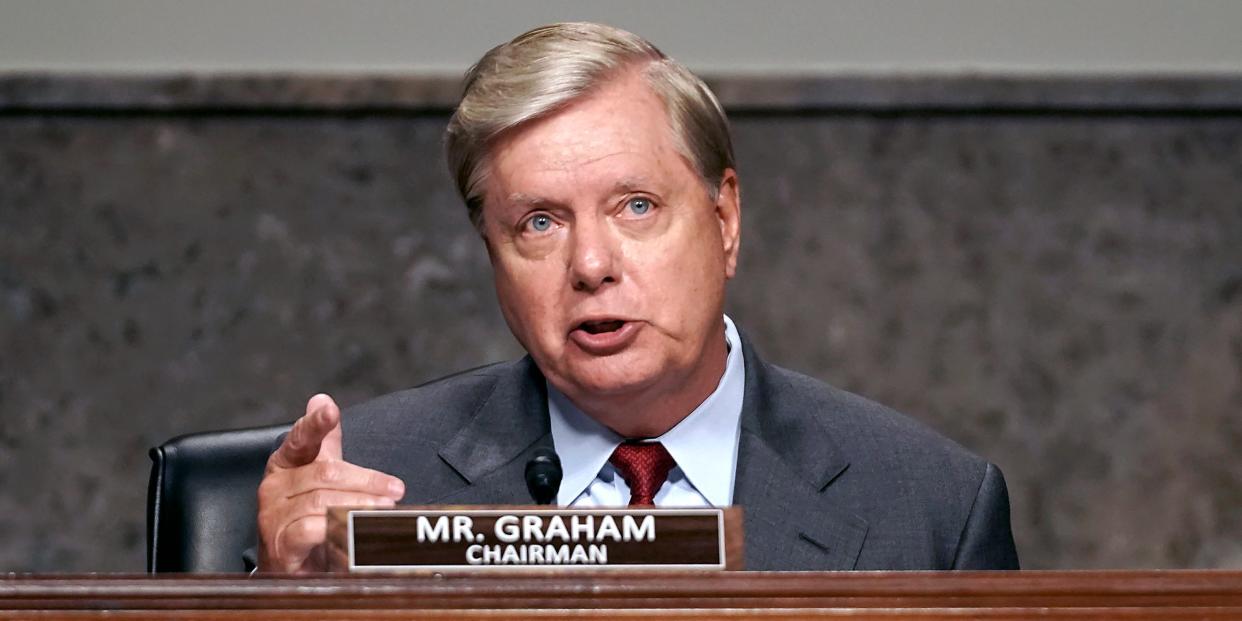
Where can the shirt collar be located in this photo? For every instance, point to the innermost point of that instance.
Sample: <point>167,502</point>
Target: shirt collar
<point>704,443</point>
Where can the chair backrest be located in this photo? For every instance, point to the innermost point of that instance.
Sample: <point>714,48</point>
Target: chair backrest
<point>201,501</point>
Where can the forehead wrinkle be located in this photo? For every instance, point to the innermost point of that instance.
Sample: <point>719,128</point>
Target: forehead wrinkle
<point>567,161</point>
<point>550,151</point>
<point>628,183</point>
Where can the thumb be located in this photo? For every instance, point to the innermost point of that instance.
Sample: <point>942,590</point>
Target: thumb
<point>330,447</point>
<point>307,440</point>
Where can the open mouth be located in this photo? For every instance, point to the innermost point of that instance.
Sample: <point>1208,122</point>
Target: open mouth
<point>605,336</point>
<point>601,327</point>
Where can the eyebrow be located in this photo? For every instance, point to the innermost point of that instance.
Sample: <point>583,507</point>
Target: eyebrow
<point>623,186</point>
<point>528,199</point>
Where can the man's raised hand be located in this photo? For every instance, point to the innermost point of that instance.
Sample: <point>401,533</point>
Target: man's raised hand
<point>306,475</point>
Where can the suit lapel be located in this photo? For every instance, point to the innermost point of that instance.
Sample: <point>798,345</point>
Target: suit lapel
<point>786,460</point>
<point>491,450</point>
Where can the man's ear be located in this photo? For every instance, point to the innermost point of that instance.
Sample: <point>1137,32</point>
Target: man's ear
<point>729,212</point>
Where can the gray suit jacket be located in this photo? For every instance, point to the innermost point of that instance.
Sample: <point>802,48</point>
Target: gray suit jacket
<point>827,480</point>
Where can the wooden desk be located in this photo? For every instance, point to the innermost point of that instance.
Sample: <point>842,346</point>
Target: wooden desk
<point>888,595</point>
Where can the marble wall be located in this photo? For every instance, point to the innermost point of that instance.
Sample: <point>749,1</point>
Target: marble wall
<point>1057,288</point>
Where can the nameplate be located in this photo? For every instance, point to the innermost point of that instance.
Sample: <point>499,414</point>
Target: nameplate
<point>437,539</point>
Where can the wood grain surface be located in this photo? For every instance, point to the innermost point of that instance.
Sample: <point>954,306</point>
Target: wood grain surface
<point>868,595</point>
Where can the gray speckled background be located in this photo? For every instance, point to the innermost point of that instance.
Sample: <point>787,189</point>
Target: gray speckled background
<point>1060,292</point>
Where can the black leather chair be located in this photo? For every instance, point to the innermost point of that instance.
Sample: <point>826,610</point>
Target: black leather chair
<point>202,499</point>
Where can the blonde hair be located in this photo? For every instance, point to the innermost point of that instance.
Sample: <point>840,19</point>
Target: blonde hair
<point>545,69</point>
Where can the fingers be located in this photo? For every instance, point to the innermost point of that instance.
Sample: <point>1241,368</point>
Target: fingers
<point>298,528</point>
<point>305,530</point>
<point>329,475</point>
<point>316,433</point>
<point>318,501</point>
<point>306,475</point>
<point>296,547</point>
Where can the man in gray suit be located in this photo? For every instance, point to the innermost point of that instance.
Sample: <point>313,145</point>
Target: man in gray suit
<point>600,176</point>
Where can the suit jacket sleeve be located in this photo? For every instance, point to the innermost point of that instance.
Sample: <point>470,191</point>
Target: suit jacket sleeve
<point>987,540</point>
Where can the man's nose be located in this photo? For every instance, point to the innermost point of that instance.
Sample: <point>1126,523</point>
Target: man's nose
<point>593,260</point>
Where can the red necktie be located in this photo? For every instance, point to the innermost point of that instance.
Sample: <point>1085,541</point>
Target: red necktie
<point>644,466</point>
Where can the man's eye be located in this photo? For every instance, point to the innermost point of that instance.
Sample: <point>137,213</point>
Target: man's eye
<point>539,223</point>
<point>639,206</point>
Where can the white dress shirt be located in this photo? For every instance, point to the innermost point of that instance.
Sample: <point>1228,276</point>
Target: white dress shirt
<point>704,445</point>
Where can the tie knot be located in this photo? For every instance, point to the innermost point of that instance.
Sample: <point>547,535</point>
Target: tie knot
<point>645,467</point>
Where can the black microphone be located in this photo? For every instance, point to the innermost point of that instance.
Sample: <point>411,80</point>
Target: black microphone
<point>543,476</point>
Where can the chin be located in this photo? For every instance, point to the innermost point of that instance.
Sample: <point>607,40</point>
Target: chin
<point>610,377</point>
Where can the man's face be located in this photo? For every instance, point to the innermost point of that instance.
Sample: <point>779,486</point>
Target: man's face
<point>610,255</point>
